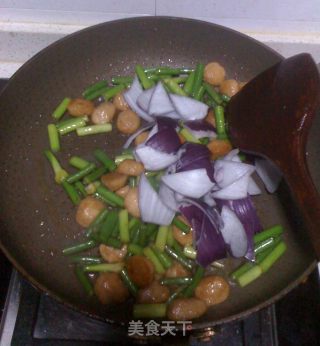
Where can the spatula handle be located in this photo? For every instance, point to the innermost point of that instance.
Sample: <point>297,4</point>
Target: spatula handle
<point>308,201</point>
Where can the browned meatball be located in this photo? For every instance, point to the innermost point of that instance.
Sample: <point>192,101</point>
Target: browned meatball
<point>182,238</point>
<point>128,122</point>
<point>219,147</point>
<point>210,118</point>
<point>130,167</point>
<point>88,210</point>
<point>123,191</point>
<point>214,73</point>
<point>80,107</point>
<point>103,113</point>
<point>112,255</point>
<point>183,309</point>
<point>154,293</point>
<point>140,270</point>
<point>212,290</point>
<point>131,202</point>
<point>141,138</point>
<point>110,289</point>
<point>120,103</point>
<point>229,87</point>
<point>177,271</point>
<point>114,180</point>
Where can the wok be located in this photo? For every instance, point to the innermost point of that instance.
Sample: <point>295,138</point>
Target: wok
<point>37,219</point>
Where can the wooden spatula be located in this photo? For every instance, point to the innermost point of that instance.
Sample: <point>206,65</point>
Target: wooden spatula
<point>271,116</point>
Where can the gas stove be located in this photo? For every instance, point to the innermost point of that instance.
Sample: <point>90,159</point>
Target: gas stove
<point>29,317</point>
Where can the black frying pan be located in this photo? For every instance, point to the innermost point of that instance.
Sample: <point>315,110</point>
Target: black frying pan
<point>37,220</point>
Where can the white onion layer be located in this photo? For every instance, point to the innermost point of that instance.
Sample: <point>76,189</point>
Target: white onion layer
<point>144,98</point>
<point>236,190</point>
<point>152,159</point>
<point>168,197</point>
<point>131,96</point>
<point>227,172</point>
<point>188,108</point>
<point>233,232</point>
<point>194,183</point>
<point>152,208</point>
<point>160,102</point>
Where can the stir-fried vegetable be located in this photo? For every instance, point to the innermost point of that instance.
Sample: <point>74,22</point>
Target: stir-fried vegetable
<point>176,199</point>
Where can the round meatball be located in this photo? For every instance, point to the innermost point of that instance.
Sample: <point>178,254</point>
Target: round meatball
<point>80,107</point>
<point>229,87</point>
<point>128,122</point>
<point>177,271</point>
<point>111,254</point>
<point>120,103</point>
<point>88,209</point>
<point>123,191</point>
<point>154,293</point>
<point>114,180</point>
<point>213,290</point>
<point>103,113</point>
<point>140,270</point>
<point>110,289</point>
<point>141,138</point>
<point>131,202</point>
<point>184,309</point>
<point>130,167</point>
<point>214,73</point>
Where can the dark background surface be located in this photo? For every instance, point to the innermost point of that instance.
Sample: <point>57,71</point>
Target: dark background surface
<point>5,271</point>
<point>5,267</point>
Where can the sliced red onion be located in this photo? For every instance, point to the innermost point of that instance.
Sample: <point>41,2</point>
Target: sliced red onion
<point>210,245</point>
<point>136,134</point>
<point>253,188</point>
<point>188,108</point>
<point>153,131</point>
<point>233,233</point>
<point>194,183</point>
<point>202,163</point>
<point>247,214</point>
<point>160,102</point>
<point>165,122</point>
<point>211,213</point>
<point>227,172</point>
<point>152,159</point>
<point>166,141</point>
<point>131,96</point>
<point>168,197</point>
<point>269,173</point>
<point>144,98</point>
<point>194,156</point>
<point>151,207</point>
<point>191,152</point>
<point>200,129</point>
<point>236,190</point>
